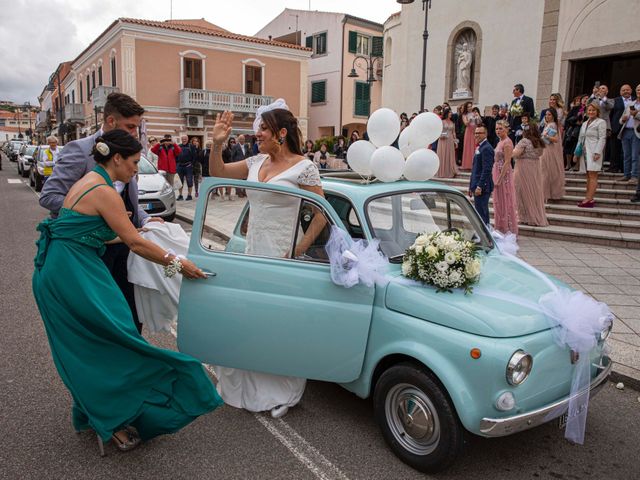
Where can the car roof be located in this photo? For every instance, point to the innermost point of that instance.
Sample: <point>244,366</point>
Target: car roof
<point>354,187</point>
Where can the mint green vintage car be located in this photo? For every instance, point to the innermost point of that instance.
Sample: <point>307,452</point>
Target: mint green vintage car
<point>438,365</point>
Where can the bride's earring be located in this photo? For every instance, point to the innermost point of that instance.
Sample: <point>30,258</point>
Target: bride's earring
<point>281,140</point>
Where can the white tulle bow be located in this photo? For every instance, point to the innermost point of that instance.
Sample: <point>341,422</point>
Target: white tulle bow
<point>279,103</point>
<point>355,261</point>
<point>507,242</point>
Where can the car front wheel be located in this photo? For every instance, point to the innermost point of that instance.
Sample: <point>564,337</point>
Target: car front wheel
<point>417,418</point>
<point>31,181</point>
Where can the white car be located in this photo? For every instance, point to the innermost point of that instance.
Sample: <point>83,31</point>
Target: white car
<point>155,195</point>
<point>25,158</point>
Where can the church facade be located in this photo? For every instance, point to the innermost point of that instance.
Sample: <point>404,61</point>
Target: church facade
<point>477,51</point>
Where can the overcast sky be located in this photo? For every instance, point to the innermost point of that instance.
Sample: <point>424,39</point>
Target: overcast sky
<point>36,35</point>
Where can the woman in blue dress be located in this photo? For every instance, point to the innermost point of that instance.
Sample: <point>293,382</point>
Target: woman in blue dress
<point>116,378</point>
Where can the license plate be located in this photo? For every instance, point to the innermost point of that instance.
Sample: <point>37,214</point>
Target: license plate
<point>47,171</point>
<point>562,420</point>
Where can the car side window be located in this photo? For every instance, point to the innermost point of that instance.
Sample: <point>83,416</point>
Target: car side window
<point>276,223</point>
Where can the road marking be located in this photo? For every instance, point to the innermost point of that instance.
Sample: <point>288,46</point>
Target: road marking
<point>306,453</point>
<point>14,180</point>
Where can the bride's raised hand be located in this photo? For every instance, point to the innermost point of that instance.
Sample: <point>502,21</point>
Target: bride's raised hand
<point>222,126</point>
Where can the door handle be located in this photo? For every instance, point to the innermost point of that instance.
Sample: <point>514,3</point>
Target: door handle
<point>209,274</point>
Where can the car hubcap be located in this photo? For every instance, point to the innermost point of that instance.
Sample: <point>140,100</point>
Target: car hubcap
<point>413,419</point>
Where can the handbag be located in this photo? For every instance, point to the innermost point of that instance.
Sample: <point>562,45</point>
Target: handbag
<point>579,151</point>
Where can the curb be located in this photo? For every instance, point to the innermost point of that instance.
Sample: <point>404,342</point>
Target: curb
<point>630,382</point>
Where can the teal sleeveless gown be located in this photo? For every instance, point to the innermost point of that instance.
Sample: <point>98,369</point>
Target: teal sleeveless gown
<point>116,378</point>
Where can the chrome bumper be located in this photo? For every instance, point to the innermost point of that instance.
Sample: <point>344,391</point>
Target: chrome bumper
<point>499,427</point>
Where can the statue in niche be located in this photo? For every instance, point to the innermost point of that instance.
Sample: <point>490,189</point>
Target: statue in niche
<point>463,56</point>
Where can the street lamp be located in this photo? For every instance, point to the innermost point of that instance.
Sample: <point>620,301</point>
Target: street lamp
<point>426,6</point>
<point>369,62</point>
<point>18,111</point>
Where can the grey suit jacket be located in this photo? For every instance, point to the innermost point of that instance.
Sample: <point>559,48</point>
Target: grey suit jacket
<point>75,162</point>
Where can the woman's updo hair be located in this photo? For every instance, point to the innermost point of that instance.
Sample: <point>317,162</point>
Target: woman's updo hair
<point>112,142</point>
<point>280,118</point>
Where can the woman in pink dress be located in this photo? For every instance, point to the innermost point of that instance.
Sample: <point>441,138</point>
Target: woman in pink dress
<point>470,120</point>
<point>552,159</point>
<point>528,179</point>
<point>447,147</point>
<point>505,218</point>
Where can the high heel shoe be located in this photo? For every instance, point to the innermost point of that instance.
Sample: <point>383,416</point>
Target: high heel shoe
<point>132,441</point>
<point>279,411</point>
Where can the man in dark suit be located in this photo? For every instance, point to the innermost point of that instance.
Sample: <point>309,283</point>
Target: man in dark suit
<point>616,150</point>
<point>481,184</point>
<point>120,112</point>
<point>241,150</point>
<point>519,105</point>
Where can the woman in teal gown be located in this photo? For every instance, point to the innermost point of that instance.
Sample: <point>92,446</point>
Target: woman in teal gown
<point>116,378</point>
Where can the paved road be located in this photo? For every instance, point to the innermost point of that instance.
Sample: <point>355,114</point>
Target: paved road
<point>330,435</point>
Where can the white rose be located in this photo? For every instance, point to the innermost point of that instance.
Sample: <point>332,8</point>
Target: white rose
<point>421,240</point>
<point>442,267</point>
<point>406,268</point>
<point>472,269</point>
<point>455,276</point>
<point>432,251</point>
<point>419,248</point>
<point>450,258</point>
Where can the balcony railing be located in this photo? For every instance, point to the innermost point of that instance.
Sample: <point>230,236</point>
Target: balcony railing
<point>43,120</point>
<point>74,113</point>
<point>99,95</point>
<point>192,99</point>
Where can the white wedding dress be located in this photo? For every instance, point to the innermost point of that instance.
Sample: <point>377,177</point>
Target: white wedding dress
<point>272,218</point>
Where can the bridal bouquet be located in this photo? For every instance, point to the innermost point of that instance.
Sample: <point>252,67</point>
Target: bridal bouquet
<point>516,110</point>
<point>444,260</point>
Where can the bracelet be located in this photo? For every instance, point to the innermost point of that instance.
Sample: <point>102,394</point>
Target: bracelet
<point>175,266</point>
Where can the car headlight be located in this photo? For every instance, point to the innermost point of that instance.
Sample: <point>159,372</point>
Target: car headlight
<point>166,189</point>
<point>519,367</point>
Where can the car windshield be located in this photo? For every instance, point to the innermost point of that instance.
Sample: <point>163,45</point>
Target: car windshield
<point>29,151</point>
<point>397,219</point>
<point>145,167</point>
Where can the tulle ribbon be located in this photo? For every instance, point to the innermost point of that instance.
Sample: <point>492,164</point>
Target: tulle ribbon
<point>576,320</point>
<point>279,103</point>
<point>355,261</point>
<point>507,242</point>
<point>42,243</point>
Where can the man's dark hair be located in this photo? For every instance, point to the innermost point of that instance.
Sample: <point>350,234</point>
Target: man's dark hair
<point>520,87</point>
<point>123,105</point>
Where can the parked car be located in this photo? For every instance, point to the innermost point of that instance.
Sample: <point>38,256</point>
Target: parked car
<point>40,169</point>
<point>25,157</point>
<point>438,365</point>
<point>14,149</point>
<point>154,193</point>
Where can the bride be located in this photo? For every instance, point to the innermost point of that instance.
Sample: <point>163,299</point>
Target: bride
<point>271,219</point>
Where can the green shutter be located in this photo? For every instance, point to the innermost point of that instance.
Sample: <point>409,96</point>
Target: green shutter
<point>353,41</point>
<point>319,92</point>
<point>309,41</point>
<point>377,46</point>
<point>362,97</point>
<point>322,40</point>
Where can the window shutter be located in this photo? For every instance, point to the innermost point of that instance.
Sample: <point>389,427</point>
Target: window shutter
<point>362,99</point>
<point>353,41</point>
<point>318,92</point>
<point>322,40</point>
<point>309,42</point>
<point>377,46</point>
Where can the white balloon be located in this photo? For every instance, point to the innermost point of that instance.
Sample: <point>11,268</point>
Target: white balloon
<point>387,164</point>
<point>421,165</point>
<point>404,142</point>
<point>426,128</point>
<point>383,127</point>
<point>359,157</point>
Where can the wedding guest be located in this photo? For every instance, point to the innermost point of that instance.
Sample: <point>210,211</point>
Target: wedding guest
<point>505,218</point>
<point>552,160</point>
<point>355,136</point>
<point>572,130</point>
<point>227,157</point>
<point>340,149</point>
<point>520,105</point>
<point>447,147</point>
<point>524,125</point>
<point>152,157</point>
<point>120,112</point>
<point>490,122</point>
<point>184,166</point>
<point>626,133</point>
<point>593,138</point>
<point>404,121</point>
<point>280,163</point>
<point>321,157</point>
<point>470,120</point>
<point>197,165</point>
<point>555,103</point>
<point>481,183</point>
<point>204,158</point>
<point>308,150</point>
<point>528,179</point>
<point>167,152</point>
<point>117,379</point>
<point>616,152</point>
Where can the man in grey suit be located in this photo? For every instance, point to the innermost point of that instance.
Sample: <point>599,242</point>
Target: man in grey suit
<point>120,112</point>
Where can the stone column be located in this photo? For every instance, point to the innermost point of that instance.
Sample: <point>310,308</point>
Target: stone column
<point>548,45</point>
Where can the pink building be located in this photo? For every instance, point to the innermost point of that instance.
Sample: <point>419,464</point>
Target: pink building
<point>182,72</point>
